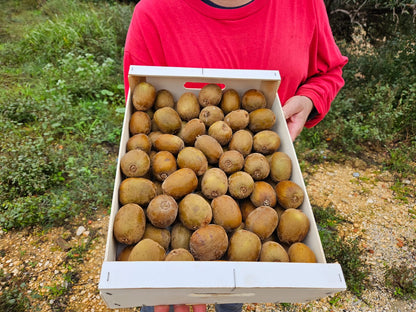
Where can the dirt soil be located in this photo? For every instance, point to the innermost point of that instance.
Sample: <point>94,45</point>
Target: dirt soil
<point>60,267</point>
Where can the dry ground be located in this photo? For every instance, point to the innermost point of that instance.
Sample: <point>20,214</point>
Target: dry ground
<point>49,261</point>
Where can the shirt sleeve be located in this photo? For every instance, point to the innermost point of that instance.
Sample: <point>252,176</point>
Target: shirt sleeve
<point>325,67</point>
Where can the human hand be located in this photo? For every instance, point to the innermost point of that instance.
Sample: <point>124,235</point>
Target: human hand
<point>181,308</point>
<point>296,111</point>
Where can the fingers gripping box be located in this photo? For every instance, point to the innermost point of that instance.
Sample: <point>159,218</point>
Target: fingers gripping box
<point>125,284</point>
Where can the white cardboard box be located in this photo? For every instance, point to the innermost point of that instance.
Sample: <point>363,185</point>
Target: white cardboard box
<point>129,284</point>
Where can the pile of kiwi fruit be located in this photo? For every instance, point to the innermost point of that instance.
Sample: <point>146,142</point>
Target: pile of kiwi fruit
<point>203,180</point>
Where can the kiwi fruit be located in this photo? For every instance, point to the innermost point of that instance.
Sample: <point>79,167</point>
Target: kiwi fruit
<point>242,141</point>
<point>214,183</point>
<point>238,119</point>
<point>191,130</point>
<point>231,161</point>
<point>257,166</point>
<point>210,114</point>
<point>240,184</point>
<point>263,221</point>
<point>266,142</point>
<point>140,122</point>
<point>147,250</point>
<point>300,252</point>
<point>161,236</point>
<point>154,135</point>
<point>180,183</point>
<point>163,163</point>
<point>221,131</point>
<point>261,119</point>
<point>125,253</point>
<point>246,206</point>
<point>226,212</point>
<point>273,252</point>
<point>179,254</point>
<point>289,194</point>
<point>253,99</point>
<point>293,226</point>
<point>210,147</point>
<point>244,246</point>
<point>144,95</point>
<point>135,163</point>
<point>169,142</point>
<point>263,194</point>
<point>210,94</point>
<point>136,190</point>
<point>208,243</point>
<point>194,211</point>
<point>230,101</point>
<point>188,106</point>
<point>179,236</point>
<point>162,211</point>
<point>193,158</point>
<point>164,98</point>
<point>280,166</point>
<point>167,120</point>
<point>139,141</point>
<point>129,224</point>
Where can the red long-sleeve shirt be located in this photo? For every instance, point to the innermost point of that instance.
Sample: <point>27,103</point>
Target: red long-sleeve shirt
<point>293,37</point>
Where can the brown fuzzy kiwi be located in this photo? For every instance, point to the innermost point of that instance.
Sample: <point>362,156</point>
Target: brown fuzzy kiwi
<point>257,166</point>
<point>169,142</point>
<point>221,131</point>
<point>231,161</point>
<point>238,119</point>
<point>162,211</point>
<point>263,221</point>
<point>226,212</point>
<point>273,252</point>
<point>136,190</point>
<point>163,164</point>
<point>210,147</point>
<point>129,224</point>
<point>289,194</point>
<point>210,94</point>
<point>263,194</point>
<point>209,243</point>
<point>240,184</point>
<point>194,211</point>
<point>179,236</point>
<point>179,254</point>
<point>266,142</point>
<point>280,166</point>
<point>147,250</point>
<point>211,114</point>
<point>261,119</point>
<point>140,122</point>
<point>193,158</point>
<point>154,135</point>
<point>246,206</point>
<point>230,101</point>
<point>144,95</point>
<point>161,236</point>
<point>167,120</point>
<point>139,141</point>
<point>135,163</point>
<point>125,253</point>
<point>253,99</point>
<point>164,98</point>
<point>300,252</point>
<point>188,106</point>
<point>191,130</point>
<point>180,183</point>
<point>293,226</point>
<point>244,246</point>
<point>242,141</point>
<point>214,183</point>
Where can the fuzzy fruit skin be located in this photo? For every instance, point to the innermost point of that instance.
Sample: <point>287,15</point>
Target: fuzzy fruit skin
<point>147,250</point>
<point>289,194</point>
<point>244,246</point>
<point>129,224</point>
<point>209,243</point>
<point>300,252</point>
<point>293,226</point>
<point>180,183</point>
<point>144,95</point>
